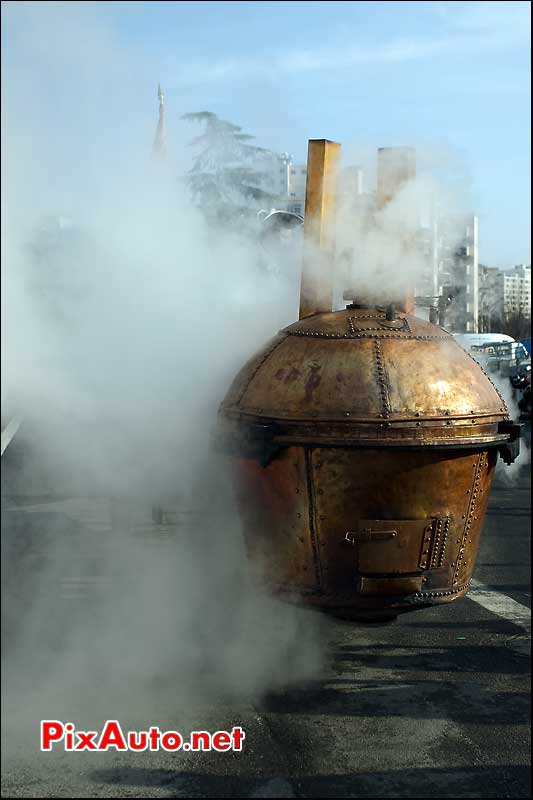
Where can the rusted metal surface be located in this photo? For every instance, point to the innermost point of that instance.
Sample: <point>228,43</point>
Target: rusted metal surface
<point>353,377</point>
<point>364,451</point>
<point>348,528</point>
<point>276,504</point>
<point>316,293</point>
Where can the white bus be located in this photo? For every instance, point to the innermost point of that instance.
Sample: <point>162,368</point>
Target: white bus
<point>496,352</point>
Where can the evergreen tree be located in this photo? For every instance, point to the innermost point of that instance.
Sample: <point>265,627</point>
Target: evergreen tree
<point>228,172</point>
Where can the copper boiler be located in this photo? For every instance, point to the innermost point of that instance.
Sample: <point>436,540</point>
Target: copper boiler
<point>364,443</point>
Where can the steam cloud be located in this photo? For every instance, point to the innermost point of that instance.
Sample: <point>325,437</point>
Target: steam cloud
<point>380,249</point>
<point>121,334</point>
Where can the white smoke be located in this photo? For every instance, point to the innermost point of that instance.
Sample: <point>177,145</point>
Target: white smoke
<point>384,249</point>
<point>122,331</point>
<point>509,473</point>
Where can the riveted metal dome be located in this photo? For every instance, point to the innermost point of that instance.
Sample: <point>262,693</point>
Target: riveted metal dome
<point>354,376</point>
<point>363,442</point>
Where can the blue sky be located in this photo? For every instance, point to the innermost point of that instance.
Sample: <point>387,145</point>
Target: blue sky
<point>452,78</point>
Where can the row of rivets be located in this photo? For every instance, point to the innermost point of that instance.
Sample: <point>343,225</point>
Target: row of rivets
<point>444,540</point>
<point>470,516</point>
<point>504,408</point>
<point>368,316</point>
<point>382,382</point>
<point>254,373</point>
<point>438,534</point>
<point>399,335</point>
<point>443,593</point>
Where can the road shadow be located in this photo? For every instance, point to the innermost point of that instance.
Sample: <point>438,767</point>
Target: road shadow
<point>486,781</point>
<point>421,682</point>
<point>463,703</point>
<point>496,659</point>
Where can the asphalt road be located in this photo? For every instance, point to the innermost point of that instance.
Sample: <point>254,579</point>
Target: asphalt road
<point>435,704</point>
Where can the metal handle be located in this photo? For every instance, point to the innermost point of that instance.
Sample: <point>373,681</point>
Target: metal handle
<point>367,535</point>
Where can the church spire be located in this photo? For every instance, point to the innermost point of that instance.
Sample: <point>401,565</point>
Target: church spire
<point>160,145</point>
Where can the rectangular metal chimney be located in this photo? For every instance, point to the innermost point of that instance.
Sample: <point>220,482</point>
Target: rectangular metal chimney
<point>316,294</point>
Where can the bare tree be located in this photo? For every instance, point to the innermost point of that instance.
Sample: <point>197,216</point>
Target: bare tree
<point>517,324</point>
